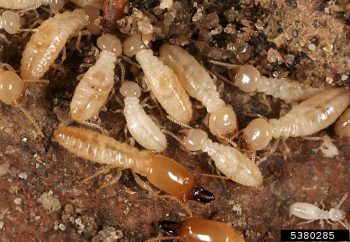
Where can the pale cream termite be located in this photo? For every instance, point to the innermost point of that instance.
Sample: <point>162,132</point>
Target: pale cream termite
<point>248,79</point>
<point>229,161</point>
<point>162,81</point>
<point>161,171</point>
<point>46,43</point>
<point>12,88</point>
<point>142,128</point>
<point>306,118</point>
<point>198,84</point>
<point>93,89</point>
<point>55,5</point>
<point>342,126</point>
<point>311,212</point>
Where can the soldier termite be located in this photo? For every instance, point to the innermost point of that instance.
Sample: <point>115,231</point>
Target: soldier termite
<point>46,43</point>
<point>93,89</point>
<point>342,126</point>
<point>162,81</point>
<point>306,118</point>
<point>143,129</point>
<point>311,212</point>
<point>198,84</point>
<point>199,230</point>
<point>248,79</point>
<point>161,171</point>
<point>12,88</point>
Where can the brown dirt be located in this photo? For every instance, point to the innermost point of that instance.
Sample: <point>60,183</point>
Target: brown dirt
<point>42,197</point>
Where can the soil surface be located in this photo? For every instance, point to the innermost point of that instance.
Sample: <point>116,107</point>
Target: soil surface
<point>42,196</point>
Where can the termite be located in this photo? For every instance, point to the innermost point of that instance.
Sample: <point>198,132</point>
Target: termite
<point>161,171</point>
<point>342,126</point>
<point>140,125</point>
<point>248,79</point>
<point>199,230</point>
<point>93,89</point>
<point>198,84</point>
<point>162,81</point>
<point>231,162</point>
<point>12,88</point>
<point>306,118</point>
<point>55,5</point>
<point>311,212</point>
<point>46,43</point>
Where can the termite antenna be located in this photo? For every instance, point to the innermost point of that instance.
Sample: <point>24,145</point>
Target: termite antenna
<point>221,77</point>
<point>345,225</point>
<point>219,63</point>
<point>43,81</point>
<point>178,122</point>
<point>342,200</point>
<point>183,205</point>
<point>227,140</point>
<point>213,176</point>
<point>173,136</point>
<point>122,71</point>
<point>30,118</point>
<point>164,238</point>
<point>130,61</point>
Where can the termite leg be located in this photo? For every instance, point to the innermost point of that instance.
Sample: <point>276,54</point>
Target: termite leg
<point>64,55</point>
<point>102,170</point>
<point>306,222</point>
<point>329,222</point>
<point>163,238</point>
<point>342,200</point>
<point>183,205</point>
<point>23,11</point>
<point>144,184</point>
<point>113,181</point>
<point>345,224</point>
<point>122,71</point>
<point>4,38</point>
<point>30,118</point>
<point>80,34</point>
<point>143,103</point>
<point>94,126</point>
<point>31,27</point>
<point>219,63</point>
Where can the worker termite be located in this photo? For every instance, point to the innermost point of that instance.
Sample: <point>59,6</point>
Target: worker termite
<point>248,79</point>
<point>342,126</point>
<point>311,212</point>
<point>46,43</point>
<point>162,81</point>
<point>93,89</point>
<point>306,118</point>
<point>229,161</point>
<point>161,171</point>
<point>198,84</point>
<point>12,88</point>
<point>140,125</point>
<point>55,5</point>
<point>199,230</point>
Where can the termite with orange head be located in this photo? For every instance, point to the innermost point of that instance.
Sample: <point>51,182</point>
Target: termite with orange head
<point>55,5</point>
<point>93,89</point>
<point>306,118</point>
<point>12,88</point>
<point>161,171</point>
<point>342,126</point>
<point>162,81</point>
<point>47,42</point>
<point>143,129</point>
<point>199,230</point>
<point>198,84</point>
<point>248,79</point>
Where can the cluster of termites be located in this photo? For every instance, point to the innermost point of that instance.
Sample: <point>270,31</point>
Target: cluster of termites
<point>173,78</point>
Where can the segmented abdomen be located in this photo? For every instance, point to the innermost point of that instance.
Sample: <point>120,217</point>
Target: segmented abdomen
<point>165,86</point>
<point>142,127</point>
<point>45,45</point>
<point>193,76</point>
<point>102,149</point>
<point>93,90</point>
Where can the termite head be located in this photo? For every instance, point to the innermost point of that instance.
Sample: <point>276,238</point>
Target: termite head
<point>196,229</point>
<point>130,89</point>
<point>246,78</point>
<point>56,5</point>
<point>133,44</point>
<point>336,214</point>
<point>223,122</point>
<point>257,135</point>
<point>194,139</point>
<point>11,87</point>
<point>111,43</point>
<point>176,180</point>
<point>11,22</point>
